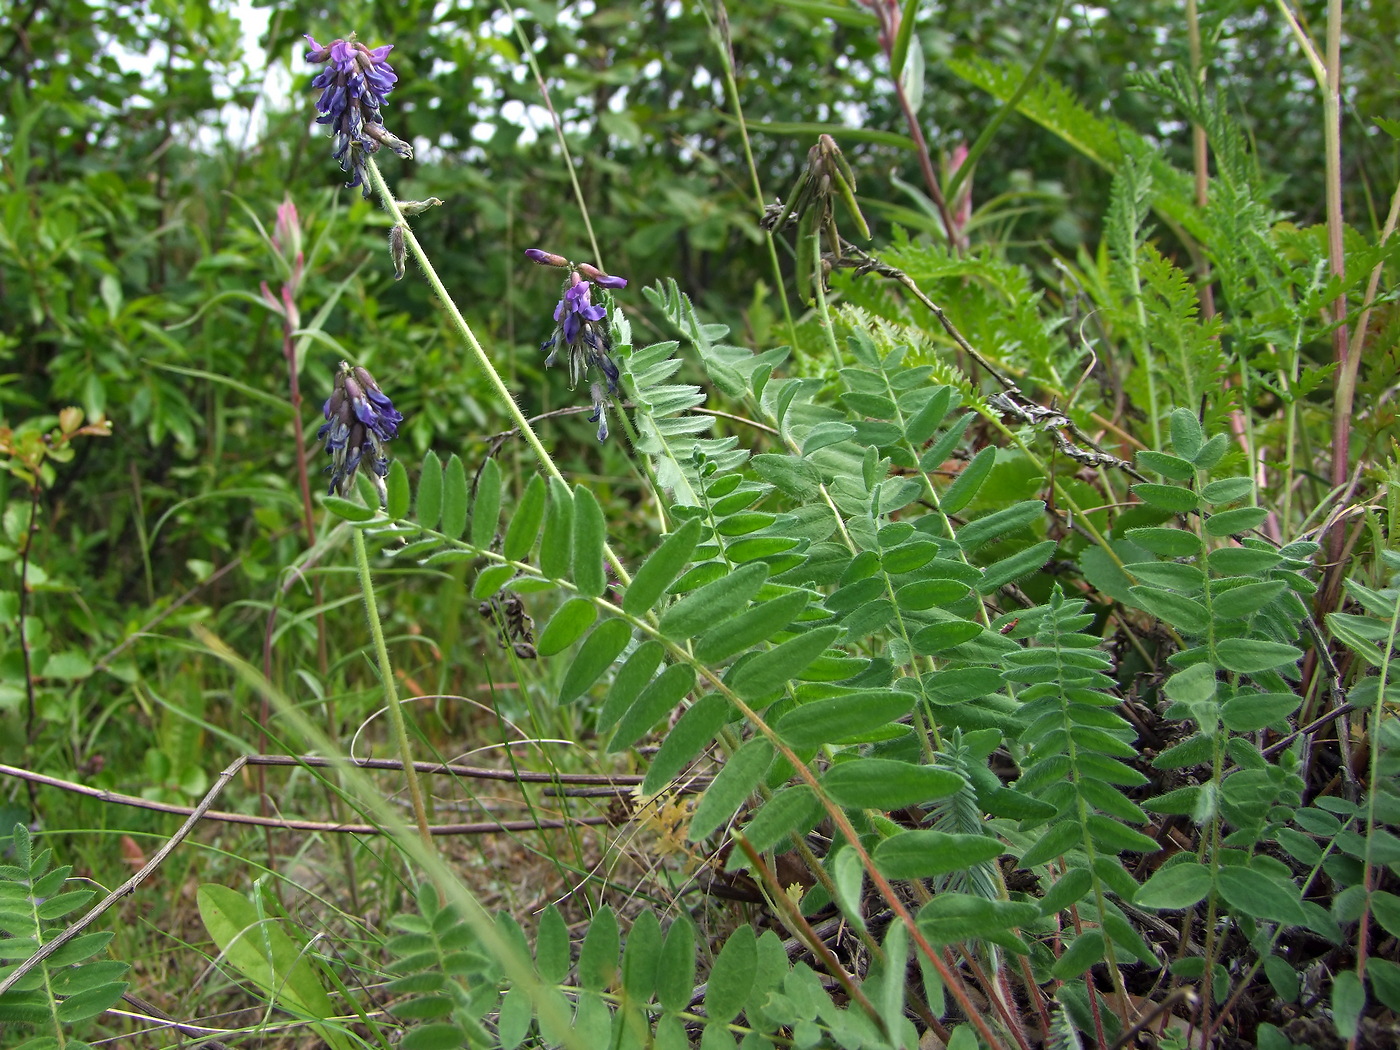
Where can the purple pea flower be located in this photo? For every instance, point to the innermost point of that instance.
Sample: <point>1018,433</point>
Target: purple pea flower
<point>354,84</point>
<point>581,330</point>
<point>360,418</point>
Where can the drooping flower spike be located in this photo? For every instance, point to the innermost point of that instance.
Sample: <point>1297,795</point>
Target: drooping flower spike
<point>360,419</point>
<point>354,85</point>
<point>581,330</point>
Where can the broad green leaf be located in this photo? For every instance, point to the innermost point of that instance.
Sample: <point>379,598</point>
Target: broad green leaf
<point>658,699</point>
<point>769,671</point>
<point>490,580</point>
<point>792,809</point>
<point>1239,603</point>
<point>1348,1001</point>
<point>513,1021</point>
<point>397,494</point>
<point>348,508</point>
<point>792,475</point>
<point>952,917</point>
<point>641,956</point>
<point>455,500</point>
<point>1227,490</point>
<point>964,487</point>
<point>927,419</point>
<point>1249,655</point>
<point>632,676</point>
<point>687,738</point>
<point>1173,467</point>
<point>675,974</point>
<point>750,627</point>
<point>429,507</point>
<point>1022,563</point>
<point>731,977</point>
<point>552,947</point>
<point>735,781</point>
<point>598,957</point>
<point>566,626</point>
<point>590,536</point>
<point>557,542</point>
<point>1187,435</point>
<point>1067,891</point>
<point>1167,497</point>
<point>843,718</point>
<point>259,949</point>
<point>440,1036</point>
<point>594,657</point>
<point>525,522</point>
<point>1181,612</point>
<point>1233,522</point>
<point>713,603</point>
<point>1083,952</point>
<point>923,854</point>
<point>1169,543</point>
<point>887,784</point>
<point>937,637</point>
<point>999,524</point>
<point>1055,840</point>
<point>660,570</point>
<point>1175,886</point>
<point>1260,895</point>
<point>91,1002</point>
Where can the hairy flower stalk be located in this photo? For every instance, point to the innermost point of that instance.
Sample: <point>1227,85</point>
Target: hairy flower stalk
<point>581,330</point>
<point>360,419</point>
<point>353,86</point>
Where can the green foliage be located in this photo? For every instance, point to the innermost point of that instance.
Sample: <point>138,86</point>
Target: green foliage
<point>70,987</point>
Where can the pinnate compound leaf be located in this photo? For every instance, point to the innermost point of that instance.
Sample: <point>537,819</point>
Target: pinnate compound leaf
<point>594,657</point>
<point>566,626</point>
<point>923,854</point>
<point>769,671</point>
<point>887,784</point>
<point>1181,612</point>
<point>661,569</point>
<point>691,733</point>
<point>734,783</point>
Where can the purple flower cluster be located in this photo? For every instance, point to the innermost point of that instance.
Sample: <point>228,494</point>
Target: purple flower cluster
<point>581,330</point>
<point>354,84</point>
<point>360,418</point>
